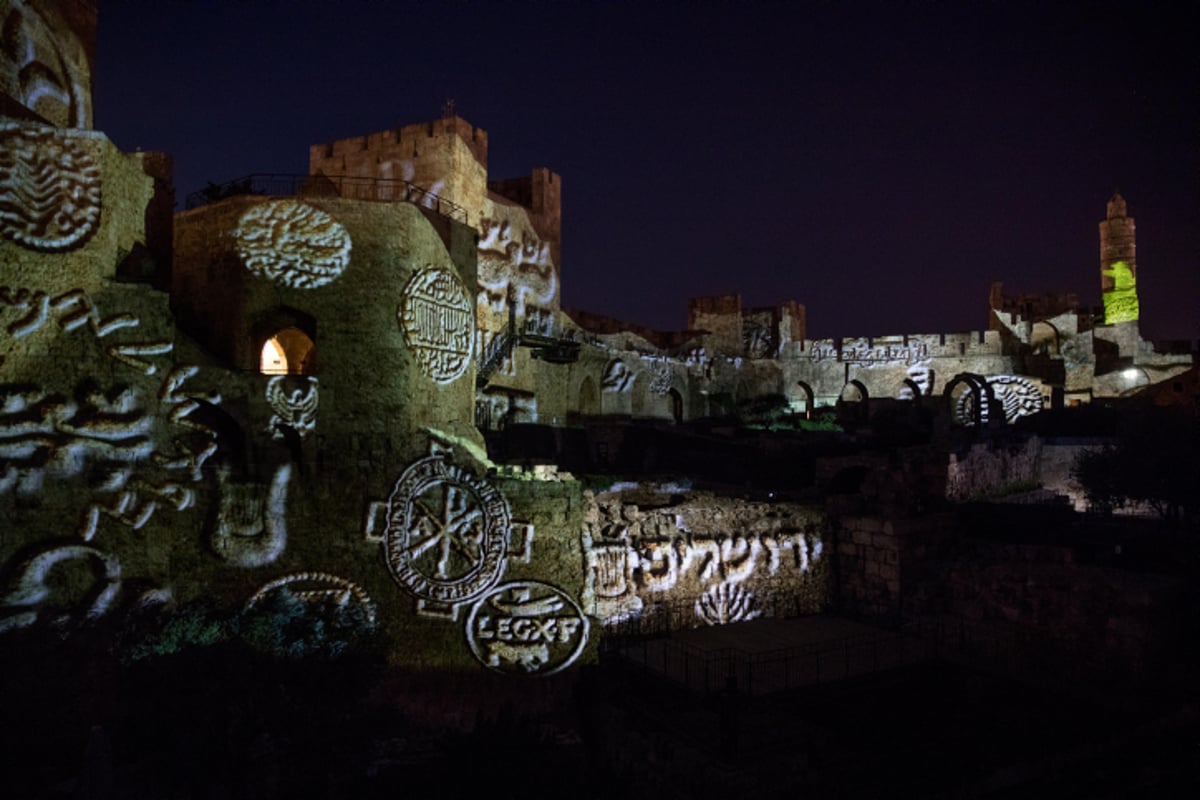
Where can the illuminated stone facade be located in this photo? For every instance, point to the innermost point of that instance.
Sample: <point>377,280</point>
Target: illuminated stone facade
<point>289,395</point>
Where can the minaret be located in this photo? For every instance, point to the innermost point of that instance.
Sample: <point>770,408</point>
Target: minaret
<point>1118,264</point>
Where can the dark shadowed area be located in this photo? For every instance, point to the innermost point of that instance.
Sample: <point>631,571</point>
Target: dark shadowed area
<point>880,163</point>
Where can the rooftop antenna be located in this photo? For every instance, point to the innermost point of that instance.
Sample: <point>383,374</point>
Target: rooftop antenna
<point>448,108</point>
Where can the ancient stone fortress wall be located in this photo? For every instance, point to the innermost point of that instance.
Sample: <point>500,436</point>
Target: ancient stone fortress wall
<point>73,208</point>
<point>46,57</point>
<point>519,220</point>
<point>143,464</point>
<point>697,559</point>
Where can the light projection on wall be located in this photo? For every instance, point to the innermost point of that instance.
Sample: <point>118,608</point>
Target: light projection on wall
<point>1120,302</point>
<point>49,186</point>
<point>101,432</point>
<point>321,591</point>
<point>724,603</point>
<point>44,67</point>
<point>43,432</point>
<point>515,264</point>
<point>446,536</point>
<point>758,340</point>
<point>296,409</point>
<point>660,377</point>
<point>1018,397</point>
<point>293,244</point>
<point>31,591</point>
<point>632,560</point>
<point>251,529</point>
<point>920,377</point>
<point>618,377</point>
<point>498,408</point>
<point>65,584</point>
<point>438,323</point>
<point>861,353</point>
<point>526,627</point>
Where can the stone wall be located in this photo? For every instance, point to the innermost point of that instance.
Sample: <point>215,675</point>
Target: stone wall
<point>993,467</point>
<point>700,558</point>
<point>879,559</point>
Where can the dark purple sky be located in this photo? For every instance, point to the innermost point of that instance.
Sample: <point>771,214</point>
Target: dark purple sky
<point>880,163</point>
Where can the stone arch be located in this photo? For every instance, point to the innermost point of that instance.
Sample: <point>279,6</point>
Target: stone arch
<point>675,404</point>
<point>807,392</point>
<point>285,342</point>
<point>855,391</point>
<point>1044,338</point>
<point>289,352</point>
<point>909,390</point>
<point>853,404</point>
<point>589,397</point>
<point>970,400</point>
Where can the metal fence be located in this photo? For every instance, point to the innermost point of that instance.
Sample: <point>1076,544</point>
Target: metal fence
<point>382,190</point>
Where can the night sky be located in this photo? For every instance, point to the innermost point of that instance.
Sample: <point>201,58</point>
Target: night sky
<point>880,163</point>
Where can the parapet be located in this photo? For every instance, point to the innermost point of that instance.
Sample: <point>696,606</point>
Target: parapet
<point>410,141</point>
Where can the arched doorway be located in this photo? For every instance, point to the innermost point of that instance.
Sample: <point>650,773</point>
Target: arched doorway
<point>676,401</point>
<point>589,398</point>
<point>807,399</point>
<point>288,352</point>
<point>853,403</point>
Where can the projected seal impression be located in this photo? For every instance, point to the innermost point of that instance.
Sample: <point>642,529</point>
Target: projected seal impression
<point>527,628</point>
<point>446,536</point>
<point>438,321</point>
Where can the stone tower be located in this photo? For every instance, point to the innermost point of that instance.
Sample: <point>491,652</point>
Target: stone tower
<point>1118,264</point>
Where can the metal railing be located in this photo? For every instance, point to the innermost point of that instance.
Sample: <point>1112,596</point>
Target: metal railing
<point>381,190</point>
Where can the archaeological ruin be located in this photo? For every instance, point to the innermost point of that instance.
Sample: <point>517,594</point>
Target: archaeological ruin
<point>357,390</point>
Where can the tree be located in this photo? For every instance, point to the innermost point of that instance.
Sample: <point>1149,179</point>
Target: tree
<point>1154,462</point>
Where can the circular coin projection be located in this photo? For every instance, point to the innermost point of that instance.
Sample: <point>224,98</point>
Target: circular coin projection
<point>49,186</point>
<point>438,320</point>
<point>527,628</point>
<point>447,532</point>
<point>292,244</point>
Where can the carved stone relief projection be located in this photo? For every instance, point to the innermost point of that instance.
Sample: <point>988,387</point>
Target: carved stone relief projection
<point>515,264</point>
<point>527,627</point>
<point>1019,397</point>
<point>724,603</point>
<point>42,432</point>
<point>860,353</point>
<point>292,244</point>
<point>634,559</point>
<point>49,186</point>
<point>660,377</point>
<point>438,323</point>
<point>757,338</point>
<point>322,591</point>
<point>103,433</point>
<point>296,409</point>
<point>44,67</point>
<point>251,529</point>
<point>37,595</point>
<point>617,377</point>
<point>447,535</point>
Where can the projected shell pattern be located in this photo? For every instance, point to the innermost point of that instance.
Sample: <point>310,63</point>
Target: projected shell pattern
<point>292,244</point>
<point>49,187</point>
<point>438,322</point>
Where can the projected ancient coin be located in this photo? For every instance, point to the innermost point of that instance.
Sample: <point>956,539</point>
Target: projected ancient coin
<point>527,628</point>
<point>292,244</point>
<point>446,534</point>
<point>438,321</point>
<point>49,186</point>
<point>322,591</point>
